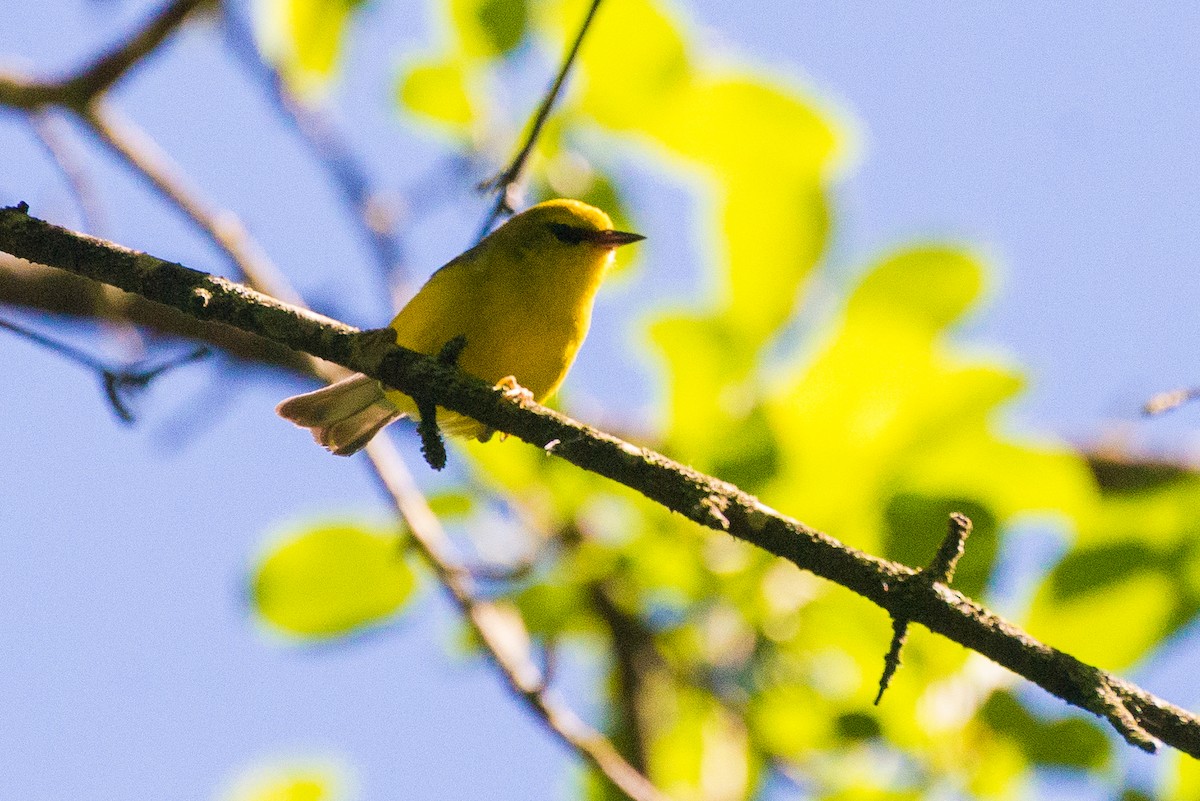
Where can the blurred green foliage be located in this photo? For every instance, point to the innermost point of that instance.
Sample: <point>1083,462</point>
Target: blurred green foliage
<point>725,664</point>
<point>331,580</point>
<point>287,782</point>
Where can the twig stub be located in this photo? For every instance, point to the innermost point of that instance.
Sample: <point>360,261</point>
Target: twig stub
<point>940,570</point>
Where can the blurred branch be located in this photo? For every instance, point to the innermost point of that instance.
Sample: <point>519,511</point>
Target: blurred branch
<point>501,630</point>
<point>374,216</point>
<point>77,90</point>
<point>143,155</point>
<point>53,291</point>
<point>635,656</point>
<point>504,183</point>
<point>119,383</point>
<point>83,188</point>
<point>1170,400</point>
<point>706,500</point>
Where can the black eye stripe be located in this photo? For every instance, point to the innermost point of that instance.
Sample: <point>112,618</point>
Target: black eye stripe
<point>568,233</point>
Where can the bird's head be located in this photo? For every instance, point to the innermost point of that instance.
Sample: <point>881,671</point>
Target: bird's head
<point>565,232</point>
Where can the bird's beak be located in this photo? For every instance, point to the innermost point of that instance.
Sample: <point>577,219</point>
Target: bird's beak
<point>613,239</point>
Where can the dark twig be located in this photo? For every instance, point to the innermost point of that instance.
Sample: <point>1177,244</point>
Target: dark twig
<point>891,661</point>
<point>71,352</point>
<point>940,570</point>
<point>504,183</point>
<point>432,446</point>
<point>703,499</point>
<point>119,383</point>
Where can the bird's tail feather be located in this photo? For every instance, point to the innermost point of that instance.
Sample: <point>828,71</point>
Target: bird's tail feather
<point>344,416</point>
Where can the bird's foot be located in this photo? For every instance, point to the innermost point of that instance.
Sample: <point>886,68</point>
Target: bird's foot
<point>514,391</point>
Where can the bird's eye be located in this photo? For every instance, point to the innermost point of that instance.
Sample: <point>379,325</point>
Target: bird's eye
<point>568,234</point>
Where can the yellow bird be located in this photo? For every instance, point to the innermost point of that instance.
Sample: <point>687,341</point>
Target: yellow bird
<point>521,298</point>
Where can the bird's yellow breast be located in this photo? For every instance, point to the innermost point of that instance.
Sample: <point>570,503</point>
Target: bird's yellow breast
<point>523,312</point>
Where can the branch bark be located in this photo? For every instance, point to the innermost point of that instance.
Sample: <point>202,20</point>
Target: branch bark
<point>713,503</point>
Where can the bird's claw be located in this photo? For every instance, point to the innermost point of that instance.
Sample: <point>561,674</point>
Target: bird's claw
<point>514,391</point>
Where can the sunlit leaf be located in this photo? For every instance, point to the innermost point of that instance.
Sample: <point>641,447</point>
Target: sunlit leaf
<point>886,406</point>
<point>449,504</point>
<point>1183,778</point>
<point>302,781</point>
<point>1135,568</point>
<point>1072,742</point>
<point>331,581</point>
<point>305,38</point>
<point>438,92</point>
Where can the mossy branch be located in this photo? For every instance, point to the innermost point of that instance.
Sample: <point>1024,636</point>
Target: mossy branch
<point>1138,715</point>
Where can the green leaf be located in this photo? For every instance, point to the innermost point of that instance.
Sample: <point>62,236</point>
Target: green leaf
<point>489,27</point>
<point>888,407</point>
<point>437,91</point>
<point>288,782</point>
<point>305,38</point>
<point>1135,567</point>
<point>331,581</point>
<point>449,504</point>
<point>1071,742</point>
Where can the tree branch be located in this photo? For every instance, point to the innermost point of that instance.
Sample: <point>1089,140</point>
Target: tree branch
<point>76,91</point>
<point>501,630</point>
<point>701,498</point>
<point>375,215</point>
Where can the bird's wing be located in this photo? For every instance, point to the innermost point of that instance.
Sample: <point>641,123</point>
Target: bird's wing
<point>444,307</point>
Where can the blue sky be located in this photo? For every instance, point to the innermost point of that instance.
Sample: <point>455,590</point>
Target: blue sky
<point>1059,140</point>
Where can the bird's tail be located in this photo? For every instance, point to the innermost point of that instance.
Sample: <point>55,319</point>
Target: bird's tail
<point>344,416</point>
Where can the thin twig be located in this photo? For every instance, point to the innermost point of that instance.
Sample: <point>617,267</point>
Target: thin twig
<point>74,171</point>
<point>374,216</point>
<point>940,570</point>
<point>703,499</point>
<point>504,183</point>
<point>70,352</point>
<point>119,383</point>
<point>88,83</point>
<point>143,155</point>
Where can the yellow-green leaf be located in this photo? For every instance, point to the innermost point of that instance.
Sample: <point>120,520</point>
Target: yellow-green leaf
<point>312,781</point>
<point>331,581</point>
<point>305,38</point>
<point>437,90</point>
<point>489,27</point>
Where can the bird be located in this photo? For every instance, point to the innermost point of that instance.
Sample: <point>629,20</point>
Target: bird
<point>521,299</point>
